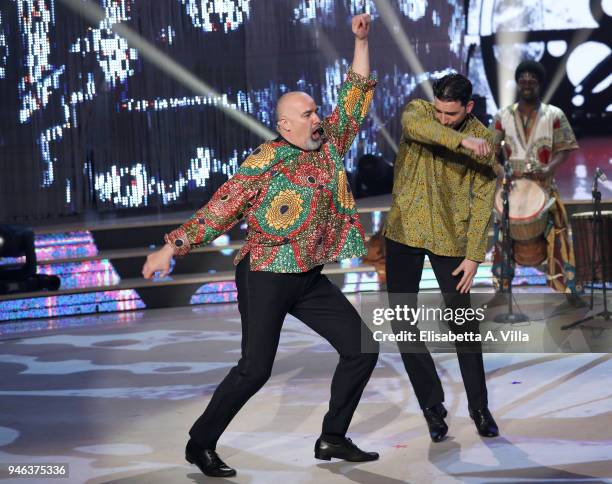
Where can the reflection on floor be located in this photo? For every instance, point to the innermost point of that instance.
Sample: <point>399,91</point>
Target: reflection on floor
<point>115,397</point>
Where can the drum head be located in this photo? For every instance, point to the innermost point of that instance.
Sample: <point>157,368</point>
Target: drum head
<point>527,199</point>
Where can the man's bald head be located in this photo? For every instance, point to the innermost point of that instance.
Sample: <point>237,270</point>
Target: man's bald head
<point>290,102</point>
<point>297,120</point>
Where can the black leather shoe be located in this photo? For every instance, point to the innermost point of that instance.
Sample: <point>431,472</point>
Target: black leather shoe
<point>207,461</point>
<point>485,424</point>
<point>434,417</point>
<point>346,450</point>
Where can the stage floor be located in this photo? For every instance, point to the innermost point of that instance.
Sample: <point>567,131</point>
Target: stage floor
<point>114,400</point>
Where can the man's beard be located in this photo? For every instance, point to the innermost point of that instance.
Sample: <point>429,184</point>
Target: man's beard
<point>313,145</point>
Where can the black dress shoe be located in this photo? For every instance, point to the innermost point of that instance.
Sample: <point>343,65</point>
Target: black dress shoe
<point>207,461</point>
<point>484,422</point>
<point>434,416</point>
<point>346,450</point>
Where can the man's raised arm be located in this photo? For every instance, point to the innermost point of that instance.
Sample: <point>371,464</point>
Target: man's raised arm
<point>355,94</point>
<point>361,58</point>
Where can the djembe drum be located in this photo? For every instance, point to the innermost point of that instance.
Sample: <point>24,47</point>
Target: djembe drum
<point>529,205</point>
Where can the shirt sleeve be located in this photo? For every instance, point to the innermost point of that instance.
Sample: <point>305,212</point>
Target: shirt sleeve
<point>354,99</point>
<point>226,207</point>
<point>418,125</point>
<point>483,193</point>
<point>563,135</point>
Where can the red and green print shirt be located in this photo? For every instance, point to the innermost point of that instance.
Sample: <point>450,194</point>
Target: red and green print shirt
<point>297,204</point>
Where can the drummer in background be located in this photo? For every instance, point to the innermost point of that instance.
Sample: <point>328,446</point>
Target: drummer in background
<point>537,139</point>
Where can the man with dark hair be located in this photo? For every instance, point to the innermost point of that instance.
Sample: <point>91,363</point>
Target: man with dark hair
<point>294,195</point>
<point>454,87</point>
<point>537,139</point>
<point>531,67</point>
<point>442,199</point>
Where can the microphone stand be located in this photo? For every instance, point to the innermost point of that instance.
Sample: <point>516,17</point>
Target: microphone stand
<point>507,250</point>
<point>598,242</point>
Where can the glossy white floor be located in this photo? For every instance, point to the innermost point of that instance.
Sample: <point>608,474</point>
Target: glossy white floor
<point>114,400</point>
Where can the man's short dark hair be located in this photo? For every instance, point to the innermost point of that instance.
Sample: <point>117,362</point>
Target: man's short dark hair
<point>453,87</point>
<point>532,67</point>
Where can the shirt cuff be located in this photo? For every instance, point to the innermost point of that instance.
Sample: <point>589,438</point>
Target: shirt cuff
<point>476,256</point>
<point>359,81</point>
<point>179,242</point>
<point>458,139</point>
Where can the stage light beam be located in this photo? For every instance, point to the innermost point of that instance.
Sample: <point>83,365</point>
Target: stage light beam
<point>578,38</point>
<point>390,18</point>
<point>509,55</point>
<point>165,63</point>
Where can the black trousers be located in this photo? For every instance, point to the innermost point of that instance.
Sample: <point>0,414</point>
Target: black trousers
<point>264,299</point>
<point>404,270</point>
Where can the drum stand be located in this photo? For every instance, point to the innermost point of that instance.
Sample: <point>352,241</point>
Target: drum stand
<point>507,269</point>
<point>598,242</point>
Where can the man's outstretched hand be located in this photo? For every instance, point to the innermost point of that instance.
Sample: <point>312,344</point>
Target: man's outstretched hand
<point>158,261</point>
<point>361,26</point>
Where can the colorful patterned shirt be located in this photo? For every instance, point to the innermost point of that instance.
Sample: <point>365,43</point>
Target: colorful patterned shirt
<point>297,204</point>
<point>549,134</point>
<point>442,193</point>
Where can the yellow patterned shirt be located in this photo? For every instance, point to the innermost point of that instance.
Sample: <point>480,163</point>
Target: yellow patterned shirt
<point>442,192</point>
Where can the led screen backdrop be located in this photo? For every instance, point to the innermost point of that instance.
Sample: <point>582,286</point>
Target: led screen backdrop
<point>89,124</point>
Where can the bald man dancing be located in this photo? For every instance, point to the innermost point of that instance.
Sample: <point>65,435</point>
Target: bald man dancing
<point>300,212</point>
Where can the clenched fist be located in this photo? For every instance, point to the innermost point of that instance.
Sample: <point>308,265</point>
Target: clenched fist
<point>479,146</point>
<point>361,26</point>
